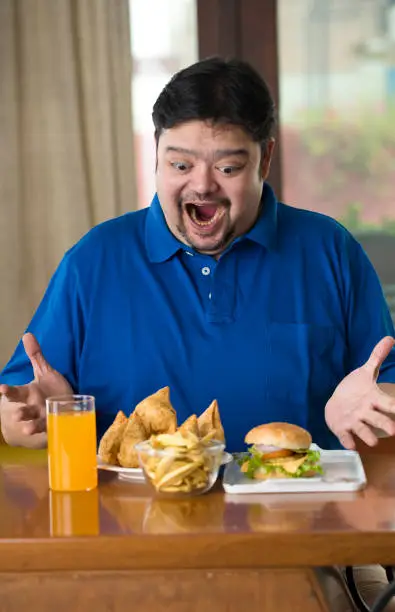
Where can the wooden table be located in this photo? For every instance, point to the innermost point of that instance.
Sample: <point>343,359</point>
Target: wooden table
<point>130,551</point>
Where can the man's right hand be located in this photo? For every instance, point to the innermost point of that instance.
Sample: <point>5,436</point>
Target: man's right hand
<point>22,408</point>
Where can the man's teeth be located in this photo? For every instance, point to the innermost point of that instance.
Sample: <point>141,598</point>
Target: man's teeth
<point>204,223</point>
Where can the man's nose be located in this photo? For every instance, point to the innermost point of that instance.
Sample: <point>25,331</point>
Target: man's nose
<point>203,181</point>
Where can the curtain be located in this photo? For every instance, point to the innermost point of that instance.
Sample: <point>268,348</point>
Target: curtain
<point>66,144</point>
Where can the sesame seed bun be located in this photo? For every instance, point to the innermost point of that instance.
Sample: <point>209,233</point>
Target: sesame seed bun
<point>281,435</point>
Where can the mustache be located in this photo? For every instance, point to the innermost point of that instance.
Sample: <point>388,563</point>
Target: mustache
<point>197,200</point>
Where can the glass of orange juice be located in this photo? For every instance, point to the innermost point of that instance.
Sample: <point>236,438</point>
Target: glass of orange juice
<point>71,431</point>
<point>74,513</point>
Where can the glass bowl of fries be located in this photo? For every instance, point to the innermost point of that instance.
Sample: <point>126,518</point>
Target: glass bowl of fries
<point>180,464</point>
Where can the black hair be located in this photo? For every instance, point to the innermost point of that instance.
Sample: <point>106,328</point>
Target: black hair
<point>224,91</point>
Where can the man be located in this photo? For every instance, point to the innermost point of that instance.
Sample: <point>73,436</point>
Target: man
<point>217,290</point>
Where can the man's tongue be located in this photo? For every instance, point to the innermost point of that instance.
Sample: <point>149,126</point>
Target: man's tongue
<point>205,212</point>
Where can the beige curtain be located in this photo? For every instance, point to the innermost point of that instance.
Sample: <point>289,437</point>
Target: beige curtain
<point>66,146</point>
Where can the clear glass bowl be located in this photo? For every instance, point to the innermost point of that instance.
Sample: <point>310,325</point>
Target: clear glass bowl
<point>180,472</point>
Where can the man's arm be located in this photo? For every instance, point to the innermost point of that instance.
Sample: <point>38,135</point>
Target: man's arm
<point>56,325</point>
<point>22,408</point>
<point>363,404</point>
<point>28,379</point>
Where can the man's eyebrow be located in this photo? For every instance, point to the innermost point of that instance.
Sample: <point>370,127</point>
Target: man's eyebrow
<point>182,150</point>
<point>219,154</point>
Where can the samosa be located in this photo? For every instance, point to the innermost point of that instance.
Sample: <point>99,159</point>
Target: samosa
<point>111,440</point>
<point>134,432</point>
<point>209,423</point>
<point>157,413</point>
<point>190,425</point>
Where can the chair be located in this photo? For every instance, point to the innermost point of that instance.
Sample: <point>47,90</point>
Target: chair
<point>380,603</point>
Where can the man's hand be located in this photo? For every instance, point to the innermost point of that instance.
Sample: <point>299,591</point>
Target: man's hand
<point>358,404</point>
<point>22,408</point>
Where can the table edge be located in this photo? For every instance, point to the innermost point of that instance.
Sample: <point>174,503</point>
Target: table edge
<point>185,551</point>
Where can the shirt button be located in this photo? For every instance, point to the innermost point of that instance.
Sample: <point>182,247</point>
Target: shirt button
<point>209,296</point>
<point>206,271</point>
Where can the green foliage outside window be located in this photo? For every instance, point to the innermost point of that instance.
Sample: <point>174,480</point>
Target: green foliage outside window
<point>358,149</point>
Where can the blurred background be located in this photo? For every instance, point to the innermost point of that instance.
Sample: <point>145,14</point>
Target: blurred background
<point>78,79</point>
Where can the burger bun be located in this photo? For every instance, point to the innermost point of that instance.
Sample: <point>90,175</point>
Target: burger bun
<point>279,435</point>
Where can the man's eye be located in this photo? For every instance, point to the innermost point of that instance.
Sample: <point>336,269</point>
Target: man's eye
<point>181,166</point>
<point>229,169</point>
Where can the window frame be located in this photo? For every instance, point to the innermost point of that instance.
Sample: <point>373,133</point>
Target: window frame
<point>246,29</point>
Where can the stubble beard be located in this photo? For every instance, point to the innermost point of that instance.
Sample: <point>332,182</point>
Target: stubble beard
<point>229,234</point>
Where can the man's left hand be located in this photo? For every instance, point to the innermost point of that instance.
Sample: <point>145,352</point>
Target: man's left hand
<point>358,404</point>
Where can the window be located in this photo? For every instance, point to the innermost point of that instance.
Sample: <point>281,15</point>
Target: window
<point>337,117</point>
<point>163,40</point>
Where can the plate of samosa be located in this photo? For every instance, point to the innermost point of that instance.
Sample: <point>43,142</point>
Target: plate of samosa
<point>152,416</point>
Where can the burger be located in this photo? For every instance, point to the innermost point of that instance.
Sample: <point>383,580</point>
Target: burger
<point>280,450</point>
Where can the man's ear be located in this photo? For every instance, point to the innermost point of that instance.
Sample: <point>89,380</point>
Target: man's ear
<point>156,153</point>
<point>266,158</point>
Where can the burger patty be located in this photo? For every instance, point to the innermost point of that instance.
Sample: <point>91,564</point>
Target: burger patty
<point>284,452</point>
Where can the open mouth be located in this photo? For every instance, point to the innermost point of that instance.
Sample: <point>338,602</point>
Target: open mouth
<point>204,215</point>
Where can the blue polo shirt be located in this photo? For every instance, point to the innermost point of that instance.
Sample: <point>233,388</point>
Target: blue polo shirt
<point>268,330</point>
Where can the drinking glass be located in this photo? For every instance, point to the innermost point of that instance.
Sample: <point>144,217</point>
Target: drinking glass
<point>71,431</point>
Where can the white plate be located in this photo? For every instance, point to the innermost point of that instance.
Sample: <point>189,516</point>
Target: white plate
<point>136,474</point>
<point>343,471</point>
<point>131,474</point>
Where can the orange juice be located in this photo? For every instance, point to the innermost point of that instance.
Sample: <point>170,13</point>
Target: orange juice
<point>72,458</point>
<point>74,514</point>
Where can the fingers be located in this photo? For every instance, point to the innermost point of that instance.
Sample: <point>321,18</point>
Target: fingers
<point>362,427</point>
<point>362,431</point>
<point>17,412</point>
<point>380,421</point>
<point>17,406</point>
<point>347,440</point>
<point>27,413</point>
<point>34,426</point>
<point>379,354</point>
<point>14,394</point>
<point>3,390</point>
<point>27,420</point>
<point>383,401</point>
<point>33,351</point>
<point>365,433</point>
<point>22,414</point>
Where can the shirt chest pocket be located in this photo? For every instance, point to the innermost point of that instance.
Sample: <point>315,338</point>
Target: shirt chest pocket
<point>304,361</point>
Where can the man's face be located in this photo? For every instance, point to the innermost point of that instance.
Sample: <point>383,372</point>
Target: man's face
<point>209,181</point>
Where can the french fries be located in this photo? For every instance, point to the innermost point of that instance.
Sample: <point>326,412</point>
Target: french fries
<point>186,465</point>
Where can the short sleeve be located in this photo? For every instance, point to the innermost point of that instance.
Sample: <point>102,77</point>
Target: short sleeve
<point>368,316</point>
<point>58,325</point>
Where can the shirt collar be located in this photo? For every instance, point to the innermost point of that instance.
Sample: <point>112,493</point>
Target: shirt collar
<point>162,244</point>
<point>264,231</point>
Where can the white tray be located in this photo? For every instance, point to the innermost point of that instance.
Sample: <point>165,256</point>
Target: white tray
<point>343,471</point>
